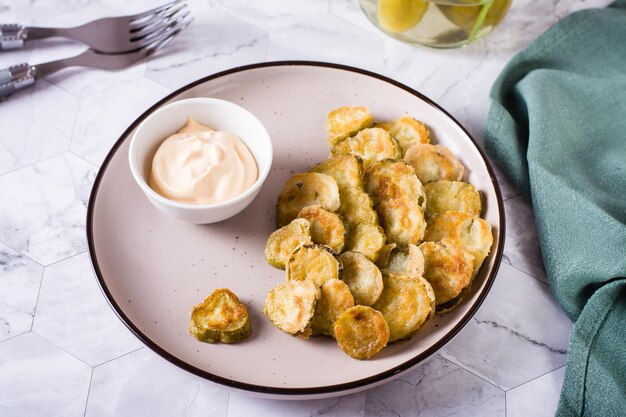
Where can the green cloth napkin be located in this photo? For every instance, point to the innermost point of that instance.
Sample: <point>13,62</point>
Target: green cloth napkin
<point>557,126</point>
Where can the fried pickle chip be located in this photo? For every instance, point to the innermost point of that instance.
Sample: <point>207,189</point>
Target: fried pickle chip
<point>335,299</point>
<point>447,195</point>
<point>285,240</point>
<point>402,221</point>
<point>326,227</point>
<point>373,144</point>
<point>291,305</point>
<point>462,229</point>
<point>390,179</point>
<point>221,317</point>
<point>356,207</point>
<point>434,163</point>
<point>408,261</point>
<point>385,253</point>
<point>362,277</point>
<point>361,332</point>
<point>406,131</point>
<point>448,268</point>
<point>347,121</point>
<point>315,263</point>
<point>367,239</point>
<point>406,304</point>
<point>306,189</point>
<point>347,170</point>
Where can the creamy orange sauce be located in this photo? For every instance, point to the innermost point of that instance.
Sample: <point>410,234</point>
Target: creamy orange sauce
<point>198,165</point>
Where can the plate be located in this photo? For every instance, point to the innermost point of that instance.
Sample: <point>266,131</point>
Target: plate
<point>152,268</point>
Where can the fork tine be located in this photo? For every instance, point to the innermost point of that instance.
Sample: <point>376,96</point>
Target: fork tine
<point>160,43</point>
<point>155,17</point>
<point>164,31</point>
<point>141,15</point>
<point>156,23</point>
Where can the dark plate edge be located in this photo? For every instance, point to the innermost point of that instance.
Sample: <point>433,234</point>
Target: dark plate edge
<point>338,388</point>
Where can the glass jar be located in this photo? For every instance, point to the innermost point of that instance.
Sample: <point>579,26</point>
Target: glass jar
<point>436,23</point>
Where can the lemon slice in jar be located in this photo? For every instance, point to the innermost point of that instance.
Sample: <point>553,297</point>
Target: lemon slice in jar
<point>400,15</point>
<point>471,16</point>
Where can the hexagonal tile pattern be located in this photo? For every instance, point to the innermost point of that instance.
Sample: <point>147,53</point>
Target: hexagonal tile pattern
<point>510,357</point>
<point>44,99</point>
<point>73,314</point>
<point>346,406</point>
<point>39,379</point>
<point>43,208</point>
<point>326,38</point>
<point>26,121</point>
<point>117,388</point>
<point>25,13</point>
<point>436,388</point>
<point>525,21</point>
<point>274,14</point>
<point>216,40</point>
<point>453,78</point>
<point>506,341</point>
<point>537,398</point>
<point>97,131</point>
<point>20,278</point>
<point>351,11</point>
<point>522,246</point>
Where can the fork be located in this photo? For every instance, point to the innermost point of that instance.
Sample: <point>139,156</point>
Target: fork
<point>24,75</point>
<point>108,35</point>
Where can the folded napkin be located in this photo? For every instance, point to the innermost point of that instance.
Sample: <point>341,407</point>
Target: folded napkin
<point>557,126</point>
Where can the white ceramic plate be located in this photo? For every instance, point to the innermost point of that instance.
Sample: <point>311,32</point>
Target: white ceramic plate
<point>152,268</point>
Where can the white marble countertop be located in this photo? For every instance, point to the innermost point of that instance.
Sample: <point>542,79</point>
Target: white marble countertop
<point>63,352</point>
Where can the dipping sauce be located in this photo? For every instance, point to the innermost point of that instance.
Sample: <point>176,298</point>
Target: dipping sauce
<point>198,165</point>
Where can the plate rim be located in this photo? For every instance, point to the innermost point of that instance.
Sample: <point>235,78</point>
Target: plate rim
<point>282,391</point>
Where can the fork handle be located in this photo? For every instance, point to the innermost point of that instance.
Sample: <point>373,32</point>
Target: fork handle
<point>12,36</point>
<point>15,78</point>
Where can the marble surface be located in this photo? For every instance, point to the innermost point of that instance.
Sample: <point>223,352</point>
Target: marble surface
<point>62,350</point>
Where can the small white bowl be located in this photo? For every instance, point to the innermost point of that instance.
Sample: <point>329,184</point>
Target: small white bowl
<point>219,115</point>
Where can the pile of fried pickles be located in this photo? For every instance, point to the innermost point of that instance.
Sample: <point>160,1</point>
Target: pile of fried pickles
<point>377,238</point>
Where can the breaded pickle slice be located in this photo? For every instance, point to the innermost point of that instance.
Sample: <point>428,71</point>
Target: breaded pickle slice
<point>315,263</point>
<point>402,220</point>
<point>390,179</point>
<point>347,170</point>
<point>462,229</point>
<point>221,317</point>
<point>383,258</point>
<point>291,305</point>
<point>408,261</point>
<point>306,189</point>
<point>373,144</point>
<point>450,305</point>
<point>406,131</point>
<point>434,163</point>
<point>448,268</point>
<point>285,240</point>
<point>347,121</point>
<point>406,304</point>
<point>357,207</point>
<point>367,239</point>
<point>362,277</point>
<point>361,332</point>
<point>335,299</point>
<point>447,195</point>
<point>326,227</point>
